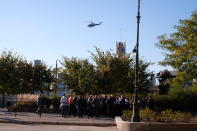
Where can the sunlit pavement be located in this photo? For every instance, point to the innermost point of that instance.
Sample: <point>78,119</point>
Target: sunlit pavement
<point>53,119</point>
<point>31,127</point>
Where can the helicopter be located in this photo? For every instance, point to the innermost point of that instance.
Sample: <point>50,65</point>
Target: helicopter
<point>92,24</point>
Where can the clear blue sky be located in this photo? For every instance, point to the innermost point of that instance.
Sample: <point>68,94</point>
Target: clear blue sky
<point>48,29</point>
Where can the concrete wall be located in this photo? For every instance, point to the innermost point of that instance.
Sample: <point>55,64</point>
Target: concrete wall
<point>154,126</point>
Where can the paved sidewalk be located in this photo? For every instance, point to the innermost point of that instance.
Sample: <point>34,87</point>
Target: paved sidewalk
<point>39,127</point>
<point>52,119</point>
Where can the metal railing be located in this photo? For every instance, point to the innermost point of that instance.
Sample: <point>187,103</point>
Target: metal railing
<point>28,106</point>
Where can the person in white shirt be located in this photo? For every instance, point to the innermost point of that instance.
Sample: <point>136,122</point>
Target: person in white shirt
<point>64,105</point>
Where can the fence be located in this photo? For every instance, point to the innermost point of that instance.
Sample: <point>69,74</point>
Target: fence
<point>31,106</point>
<point>3,103</point>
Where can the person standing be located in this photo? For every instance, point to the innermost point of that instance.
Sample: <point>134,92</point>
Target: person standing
<point>110,105</point>
<point>150,103</point>
<point>75,111</point>
<point>64,105</point>
<point>104,106</point>
<point>122,104</point>
<point>95,106</point>
<point>80,106</point>
<point>89,107</point>
<point>117,106</point>
<point>40,103</point>
<point>71,105</point>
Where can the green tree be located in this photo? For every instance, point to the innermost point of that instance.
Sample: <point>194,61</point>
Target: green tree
<point>163,78</point>
<point>112,71</point>
<point>181,51</point>
<point>116,73</point>
<point>19,76</point>
<point>8,77</point>
<point>79,75</point>
<point>8,72</point>
<point>144,76</point>
<point>24,77</point>
<point>42,76</point>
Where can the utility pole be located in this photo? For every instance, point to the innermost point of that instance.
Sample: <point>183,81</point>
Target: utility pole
<point>56,75</point>
<point>135,116</point>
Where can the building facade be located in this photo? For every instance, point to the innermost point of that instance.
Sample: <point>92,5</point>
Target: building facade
<point>120,47</point>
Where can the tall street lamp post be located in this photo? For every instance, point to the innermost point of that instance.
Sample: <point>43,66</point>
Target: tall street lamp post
<point>135,115</point>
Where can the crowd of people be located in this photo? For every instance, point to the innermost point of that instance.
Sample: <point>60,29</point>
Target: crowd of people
<point>95,106</point>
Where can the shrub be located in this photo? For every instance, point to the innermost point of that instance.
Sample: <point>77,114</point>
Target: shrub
<point>179,99</point>
<point>170,116</point>
<point>47,101</point>
<point>25,102</point>
<point>23,107</point>
<point>27,97</point>
<point>126,115</point>
<point>55,100</point>
<point>28,102</point>
<point>147,115</point>
<point>162,102</point>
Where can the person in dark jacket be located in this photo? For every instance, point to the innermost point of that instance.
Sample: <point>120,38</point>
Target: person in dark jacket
<point>95,106</point>
<point>150,102</point>
<point>89,107</point>
<point>110,105</point>
<point>80,104</point>
<point>122,104</point>
<point>40,103</point>
<point>104,106</point>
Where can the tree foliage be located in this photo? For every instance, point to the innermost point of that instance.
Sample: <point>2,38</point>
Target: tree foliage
<point>78,75</point>
<point>8,71</point>
<point>116,72</point>
<point>24,77</point>
<point>19,76</point>
<point>164,78</point>
<point>112,71</point>
<point>181,51</point>
<point>42,77</point>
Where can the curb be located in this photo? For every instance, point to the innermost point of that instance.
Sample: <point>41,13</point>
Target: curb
<point>58,123</point>
<point>154,126</point>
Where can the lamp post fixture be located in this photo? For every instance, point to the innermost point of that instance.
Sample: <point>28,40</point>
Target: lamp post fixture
<point>135,113</point>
